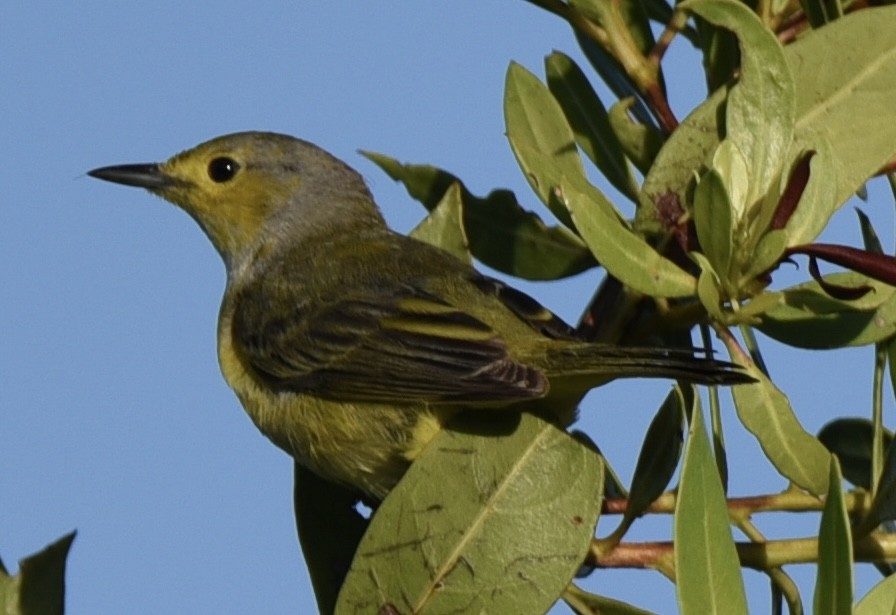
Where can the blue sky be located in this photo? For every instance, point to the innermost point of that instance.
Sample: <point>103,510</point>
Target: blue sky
<point>114,418</point>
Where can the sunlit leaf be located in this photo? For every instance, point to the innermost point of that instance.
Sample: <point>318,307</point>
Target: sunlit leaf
<point>766,413</point>
<point>623,253</point>
<point>759,113</point>
<point>708,287</point>
<point>880,600</point>
<point>834,585</point>
<point>495,516</point>
<point>444,226</point>
<point>818,203</point>
<point>589,121</point>
<point>714,221</point>
<point>536,124</point>
<point>844,85</point>
<point>704,547</point>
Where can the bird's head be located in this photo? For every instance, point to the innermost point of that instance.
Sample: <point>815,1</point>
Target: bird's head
<point>246,187</point>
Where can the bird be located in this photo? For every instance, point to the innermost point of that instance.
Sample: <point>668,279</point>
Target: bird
<point>350,345</point>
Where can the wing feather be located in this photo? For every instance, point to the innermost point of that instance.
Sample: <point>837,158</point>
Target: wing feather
<point>401,345</point>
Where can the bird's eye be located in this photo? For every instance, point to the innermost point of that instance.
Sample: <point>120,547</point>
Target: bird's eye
<point>222,169</point>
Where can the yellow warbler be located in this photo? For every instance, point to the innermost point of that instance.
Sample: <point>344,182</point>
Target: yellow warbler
<point>350,345</point>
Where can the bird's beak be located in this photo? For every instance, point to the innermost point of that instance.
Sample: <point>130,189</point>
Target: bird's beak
<point>149,176</point>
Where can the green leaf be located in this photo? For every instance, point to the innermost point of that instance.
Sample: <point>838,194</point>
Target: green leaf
<point>869,235</point>
<point>624,18</point>
<point>834,585</point>
<point>714,223</point>
<point>535,123</point>
<point>444,226</point>
<point>704,547</point>
<point>850,440</point>
<point>880,600</point>
<point>329,529</point>
<point>810,318</point>
<point>721,54</point>
<point>759,304</point>
<point>766,413</point>
<point>820,12</point>
<point>39,587</point>
<point>708,287</point>
<point>883,507</point>
<point>624,254</point>
<point>685,152</point>
<point>767,254</point>
<point>640,142</point>
<point>501,233</point>
<point>759,114</point>
<point>818,202</point>
<point>844,85</point>
<point>612,74</point>
<point>583,602</point>
<point>590,122</point>
<point>494,516</point>
<point>659,455</point>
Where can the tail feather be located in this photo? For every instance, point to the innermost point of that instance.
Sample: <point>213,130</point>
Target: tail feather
<point>606,361</point>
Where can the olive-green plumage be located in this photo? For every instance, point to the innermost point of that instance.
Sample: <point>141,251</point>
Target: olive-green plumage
<point>350,345</point>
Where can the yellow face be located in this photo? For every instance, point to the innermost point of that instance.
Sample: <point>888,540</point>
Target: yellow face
<point>231,186</point>
<point>244,187</point>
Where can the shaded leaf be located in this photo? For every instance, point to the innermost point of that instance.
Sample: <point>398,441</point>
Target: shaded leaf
<point>329,529</point>
<point>834,585</point>
<point>588,118</point>
<point>585,602</point>
<point>810,318</point>
<point>39,587</point>
<point>640,142</point>
<point>878,266</point>
<point>659,455</point>
<point>883,507</point>
<point>501,233</point>
<point>494,516</point>
<point>766,413</point>
<point>850,440</point>
<point>704,547</point>
<point>869,235</point>
<point>444,226</point>
<point>614,76</point>
<point>721,55</point>
<point>820,12</point>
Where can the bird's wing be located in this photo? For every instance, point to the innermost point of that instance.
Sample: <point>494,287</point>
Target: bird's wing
<point>392,345</point>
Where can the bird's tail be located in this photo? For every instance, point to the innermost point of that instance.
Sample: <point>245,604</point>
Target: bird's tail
<point>604,361</point>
